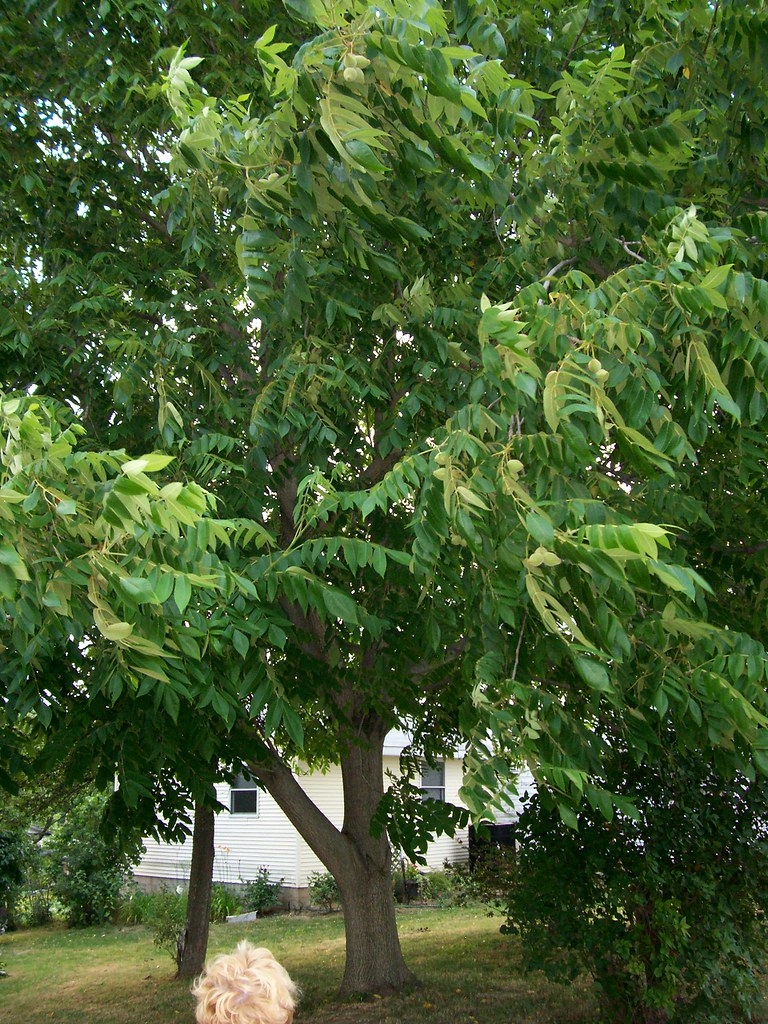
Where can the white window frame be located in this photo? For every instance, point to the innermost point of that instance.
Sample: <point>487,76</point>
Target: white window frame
<point>241,784</point>
<point>433,781</point>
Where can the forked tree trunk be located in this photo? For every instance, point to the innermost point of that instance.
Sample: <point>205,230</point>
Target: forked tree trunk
<point>193,941</point>
<point>360,863</point>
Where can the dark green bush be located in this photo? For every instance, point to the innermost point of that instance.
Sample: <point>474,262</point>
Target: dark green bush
<point>88,868</point>
<point>486,881</point>
<point>14,853</point>
<point>668,911</point>
<point>437,887</point>
<point>34,905</point>
<point>134,905</point>
<point>260,894</point>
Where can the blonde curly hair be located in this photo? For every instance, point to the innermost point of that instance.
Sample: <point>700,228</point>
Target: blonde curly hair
<point>245,987</point>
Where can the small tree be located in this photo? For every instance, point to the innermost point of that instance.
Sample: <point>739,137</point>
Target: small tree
<point>13,853</point>
<point>666,908</point>
<point>88,866</point>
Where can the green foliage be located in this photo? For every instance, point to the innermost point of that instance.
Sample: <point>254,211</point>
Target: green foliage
<point>259,894</point>
<point>323,891</point>
<point>135,904</point>
<point>165,913</point>
<point>88,866</point>
<point>36,901</point>
<point>486,880</point>
<point>376,188</point>
<point>437,888</point>
<point>666,909</point>
<point>13,855</point>
<point>225,901</point>
<point>435,333</point>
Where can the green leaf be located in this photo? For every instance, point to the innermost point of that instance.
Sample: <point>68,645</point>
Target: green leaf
<point>594,674</point>
<point>182,592</point>
<point>568,816</point>
<point>152,463</point>
<point>339,605</point>
<point>380,561</point>
<point>240,642</point>
<point>138,589</point>
<point>540,528</point>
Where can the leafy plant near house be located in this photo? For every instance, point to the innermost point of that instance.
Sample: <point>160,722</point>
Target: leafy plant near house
<point>225,901</point>
<point>324,891</point>
<point>260,894</point>
<point>418,347</point>
<point>437,887</point>
<point>665,908</point>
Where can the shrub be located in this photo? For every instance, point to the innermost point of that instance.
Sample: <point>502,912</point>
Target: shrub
<point>666,911</point>
<point>165,914</point>
<point>259,894</point>
<point>323,890</point>
<point>134,905</point>
<point>437,887</point>
<point>486,881</point>
<point>88,868</point>
<point>13,855</point>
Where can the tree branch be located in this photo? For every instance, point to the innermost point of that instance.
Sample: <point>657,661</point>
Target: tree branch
<point>315,828</point>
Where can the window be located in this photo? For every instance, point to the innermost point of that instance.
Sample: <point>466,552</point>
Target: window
<point>244,796</point>
<point>433,782</point>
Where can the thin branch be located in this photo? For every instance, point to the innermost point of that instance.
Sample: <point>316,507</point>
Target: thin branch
<point>551,273</point>
<point>574,44</point>
<point>626,247</point>
<point>519,646</point>
<point>711,28</point>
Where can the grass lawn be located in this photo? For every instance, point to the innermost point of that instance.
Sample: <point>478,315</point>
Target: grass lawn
<point>115,975</point>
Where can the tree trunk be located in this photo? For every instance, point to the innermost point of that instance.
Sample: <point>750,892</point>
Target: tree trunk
<point>374,962</point>
<point>193,941</point>
<point>360,862</point>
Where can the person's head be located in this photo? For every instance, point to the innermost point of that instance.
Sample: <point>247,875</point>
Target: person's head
<point>245,987</point>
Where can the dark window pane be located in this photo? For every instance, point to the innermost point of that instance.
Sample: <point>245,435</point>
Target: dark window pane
<point>433,776</point>
<point>245,801</point>
<point>433,782</point>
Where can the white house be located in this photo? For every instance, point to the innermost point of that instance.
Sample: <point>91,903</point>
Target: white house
<point>254,832</point>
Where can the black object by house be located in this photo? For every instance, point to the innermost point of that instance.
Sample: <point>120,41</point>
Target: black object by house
<point>489,836</point>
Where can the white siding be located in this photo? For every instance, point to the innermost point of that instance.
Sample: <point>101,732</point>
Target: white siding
<point>246,842</point>
<point>243,844</point>
<point>444,848</point>
<point>327,793</point>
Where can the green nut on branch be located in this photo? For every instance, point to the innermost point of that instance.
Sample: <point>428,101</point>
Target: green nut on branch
<point>543,556</point>
<point>355,60</point>
<point>353,75</point>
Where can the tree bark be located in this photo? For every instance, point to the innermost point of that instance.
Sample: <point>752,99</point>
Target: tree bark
<point>360,862</point>
<point>374,962</point>
<point>193,941</point>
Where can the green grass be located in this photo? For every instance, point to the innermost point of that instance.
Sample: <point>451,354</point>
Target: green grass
<point>115,975</point>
